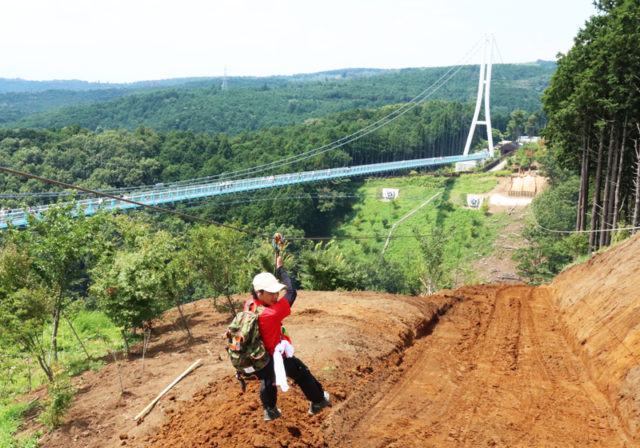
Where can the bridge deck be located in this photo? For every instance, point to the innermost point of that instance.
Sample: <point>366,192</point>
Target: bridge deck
<point>18,217</point>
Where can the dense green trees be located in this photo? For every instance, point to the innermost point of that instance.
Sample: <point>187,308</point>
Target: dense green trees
<point>516,124</point>
<point>24,308</point>
<point>247,105</point>
<point>593,162</point>
<point>117,159</point>
<point>136,280</point>
<point>61,246</point>
<point>593,104</point>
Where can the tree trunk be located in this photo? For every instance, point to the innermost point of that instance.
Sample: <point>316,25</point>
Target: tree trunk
<point>184,321</point>
<point>124,339</point>
<point>636,206</point>
<point>56,324</point>
<point>54,332</point>
<point>581,217</point>
<point>593,236</point>
<point>47,370</point>
<point>612,191</point>
<point>604,225</point>
<point>40,357</point>
<point>616,196</point>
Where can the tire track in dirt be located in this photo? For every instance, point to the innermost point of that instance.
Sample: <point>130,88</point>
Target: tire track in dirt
<point>495,356</point>
<point>496,371</point>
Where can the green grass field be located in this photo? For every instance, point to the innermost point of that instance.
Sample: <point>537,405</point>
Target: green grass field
<point>470,232</point>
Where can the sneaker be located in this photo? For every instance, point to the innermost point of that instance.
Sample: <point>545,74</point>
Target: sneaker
<point>271,414</point>
<point>314,408</point>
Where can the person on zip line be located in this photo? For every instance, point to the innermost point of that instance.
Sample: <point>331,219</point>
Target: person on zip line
<point>266,292</point>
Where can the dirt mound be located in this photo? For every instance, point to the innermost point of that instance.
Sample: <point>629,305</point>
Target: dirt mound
<point>598,304</point>
<point>484,365</point>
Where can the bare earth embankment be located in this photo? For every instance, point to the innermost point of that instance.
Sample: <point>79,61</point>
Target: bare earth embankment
<point>484,365</point>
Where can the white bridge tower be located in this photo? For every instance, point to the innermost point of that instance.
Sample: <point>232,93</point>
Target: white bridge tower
<point>483,85</point>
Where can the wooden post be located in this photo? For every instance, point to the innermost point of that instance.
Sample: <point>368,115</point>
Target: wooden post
<point>118,367</point>
<point>155,400</point>
<point>145,344</point>
<point>77,337</point>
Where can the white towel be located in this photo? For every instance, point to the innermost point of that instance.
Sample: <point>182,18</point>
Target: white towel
<point>278,364</point>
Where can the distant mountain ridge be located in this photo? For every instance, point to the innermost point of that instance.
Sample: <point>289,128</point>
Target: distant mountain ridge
<point>23,85</point>
<point>250,103</point>
<point>16,85</point>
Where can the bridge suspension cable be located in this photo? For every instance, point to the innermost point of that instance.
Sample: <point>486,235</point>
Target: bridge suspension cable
<point>190,217</point>
<point>403,109</point>
<point>292,159</point>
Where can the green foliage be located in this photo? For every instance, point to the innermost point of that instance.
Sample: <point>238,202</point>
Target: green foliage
<point>24,307</point>
<point>128,281</point>
<point>431,273</point>
<point>325,269</point>
<point>11,417</point>
<point>61,245</point>
<point>381,274</point>
<point>219,255</point>
<point>248,105</point>
<point>61,393</point>
<point>549,252</point>
<point>470,232</point>
<point>516,124</point>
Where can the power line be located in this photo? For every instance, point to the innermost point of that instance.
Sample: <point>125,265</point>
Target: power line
<point>372,127</point>
<point>189,217</point>
<point>139,204</point>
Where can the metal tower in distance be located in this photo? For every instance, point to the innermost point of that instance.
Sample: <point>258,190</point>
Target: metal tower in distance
<point>224,80</point>
<point>483,85</point>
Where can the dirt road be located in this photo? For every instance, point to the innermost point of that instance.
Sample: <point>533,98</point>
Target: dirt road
<point>492,370</point>
<point>495,372</point>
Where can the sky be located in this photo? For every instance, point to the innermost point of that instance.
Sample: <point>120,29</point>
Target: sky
<point>133,40</point>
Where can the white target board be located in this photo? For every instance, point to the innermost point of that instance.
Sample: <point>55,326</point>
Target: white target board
<point>474,200</point>
<point>390,193</point>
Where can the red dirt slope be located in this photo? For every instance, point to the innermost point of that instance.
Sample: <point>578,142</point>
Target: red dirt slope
<point>599,304</point>
<point>485,365</point>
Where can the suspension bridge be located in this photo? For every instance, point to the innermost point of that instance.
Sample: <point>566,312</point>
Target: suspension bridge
<point>236,182</point>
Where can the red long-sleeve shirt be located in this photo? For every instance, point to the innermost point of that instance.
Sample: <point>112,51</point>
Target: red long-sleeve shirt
<point>270,323</point>
<point>270,320</point>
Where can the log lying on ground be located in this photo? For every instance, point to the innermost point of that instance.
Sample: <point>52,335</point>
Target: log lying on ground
<point>155,400</point>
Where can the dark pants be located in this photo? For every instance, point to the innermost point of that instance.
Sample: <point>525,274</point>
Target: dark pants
<point>295,370</point>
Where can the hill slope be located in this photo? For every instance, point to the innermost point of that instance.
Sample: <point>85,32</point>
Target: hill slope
<point>253,103</point>
<point>490,365</point>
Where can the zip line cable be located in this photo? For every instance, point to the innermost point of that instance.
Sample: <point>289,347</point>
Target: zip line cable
<point>581,231</point>
<point>186,216</point>
<point>372,127</point>
<point>140,204</point>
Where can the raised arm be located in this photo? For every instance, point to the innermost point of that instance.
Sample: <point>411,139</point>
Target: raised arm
<point>291,293</point>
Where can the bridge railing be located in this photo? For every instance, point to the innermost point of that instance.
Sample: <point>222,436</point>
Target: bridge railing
<point>18,217</point>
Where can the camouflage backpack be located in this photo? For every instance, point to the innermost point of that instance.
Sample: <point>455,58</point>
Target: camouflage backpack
<point>245,347</point>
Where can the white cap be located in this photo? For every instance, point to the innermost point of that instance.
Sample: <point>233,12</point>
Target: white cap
<point>267,282</point>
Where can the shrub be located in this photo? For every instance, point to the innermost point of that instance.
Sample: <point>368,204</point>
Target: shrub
<point>60,395</point>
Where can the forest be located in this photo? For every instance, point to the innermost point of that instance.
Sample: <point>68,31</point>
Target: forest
<point>249,104</point>
<point>593,161</point>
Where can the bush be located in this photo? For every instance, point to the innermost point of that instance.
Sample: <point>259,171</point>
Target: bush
<point>60,395</point>
<point>325,269</point>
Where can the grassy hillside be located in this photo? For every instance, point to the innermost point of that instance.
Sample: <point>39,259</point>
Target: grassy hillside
<point>469,233</point>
